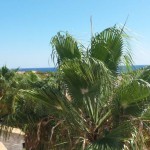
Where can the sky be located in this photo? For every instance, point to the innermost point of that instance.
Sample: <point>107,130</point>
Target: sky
<point>27,26</point>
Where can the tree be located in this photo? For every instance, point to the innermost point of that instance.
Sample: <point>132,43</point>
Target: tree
<point>100,113</point>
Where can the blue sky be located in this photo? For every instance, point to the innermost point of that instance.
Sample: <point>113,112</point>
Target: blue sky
<point>26,26</point>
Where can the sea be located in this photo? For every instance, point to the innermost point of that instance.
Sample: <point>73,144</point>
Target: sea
<point>135,67</point>
<point>38,69</point>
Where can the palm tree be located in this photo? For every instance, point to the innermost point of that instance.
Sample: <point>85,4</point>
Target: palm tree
<point>100,113</point>
<point>111,48</point>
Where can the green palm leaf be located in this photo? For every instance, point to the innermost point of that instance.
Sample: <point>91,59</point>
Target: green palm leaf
<point>87,77</point>
<point>114,139</point>
<point>134,92</point>
<point>110,46</point>
<point>65,47</point>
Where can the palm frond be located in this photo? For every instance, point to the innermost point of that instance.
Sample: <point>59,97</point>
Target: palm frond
<point>109,46</point>
<point>65,47</point>
<point>85,76</point>
<point>116,138</point>
<point>134,92</point>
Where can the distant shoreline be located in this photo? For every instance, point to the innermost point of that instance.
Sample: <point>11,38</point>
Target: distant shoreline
<point>38,69</point>
<point>53,69</point>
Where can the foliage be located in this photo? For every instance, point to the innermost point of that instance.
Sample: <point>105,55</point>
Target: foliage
<point>86,104</point>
